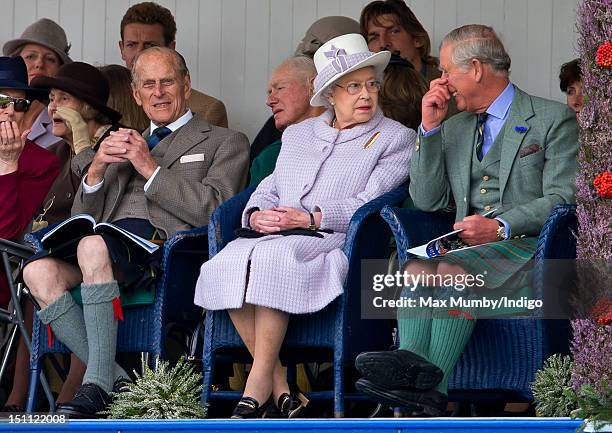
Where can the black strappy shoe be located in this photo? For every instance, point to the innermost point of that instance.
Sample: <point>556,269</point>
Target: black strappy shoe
<point>248,408</point>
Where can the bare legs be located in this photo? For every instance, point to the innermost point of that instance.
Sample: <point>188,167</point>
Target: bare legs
<point>262,330</point>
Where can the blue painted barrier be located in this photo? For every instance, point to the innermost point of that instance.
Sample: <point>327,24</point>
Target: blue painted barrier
<point>400,425</point>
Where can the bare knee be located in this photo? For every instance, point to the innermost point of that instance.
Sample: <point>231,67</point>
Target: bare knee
<point>94,260</point>
<point>417,266</point>
<point>445,268</point>
<point>45,279</point>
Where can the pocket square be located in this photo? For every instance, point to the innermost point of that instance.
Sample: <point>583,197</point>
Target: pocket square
<point>192,158</point>
<point>528,150</point>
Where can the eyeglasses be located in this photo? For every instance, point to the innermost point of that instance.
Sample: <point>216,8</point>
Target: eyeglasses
<point>371,86</point>
<point>20,105</point>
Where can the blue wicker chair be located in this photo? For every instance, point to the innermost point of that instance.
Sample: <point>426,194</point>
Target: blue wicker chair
<point>503,355</point>
<point>336,333</point>
<point>143,329</point>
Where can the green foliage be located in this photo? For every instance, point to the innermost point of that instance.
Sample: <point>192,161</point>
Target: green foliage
<point>594,406</point>
<point>552,388</point>
<point>166,393</point>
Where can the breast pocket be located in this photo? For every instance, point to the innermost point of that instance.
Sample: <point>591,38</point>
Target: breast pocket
<point>190,169</point>
<point>535,160</point>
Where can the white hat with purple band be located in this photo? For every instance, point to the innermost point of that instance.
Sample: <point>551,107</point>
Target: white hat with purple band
<point>340,56</point>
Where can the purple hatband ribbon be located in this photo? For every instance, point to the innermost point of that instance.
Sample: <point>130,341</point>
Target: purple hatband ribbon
<point>339,62</point>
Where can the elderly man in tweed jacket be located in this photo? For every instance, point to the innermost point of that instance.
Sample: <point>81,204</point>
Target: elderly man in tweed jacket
<point>171,180</point>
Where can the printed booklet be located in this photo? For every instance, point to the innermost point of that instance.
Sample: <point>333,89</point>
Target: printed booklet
<point>83,225</point>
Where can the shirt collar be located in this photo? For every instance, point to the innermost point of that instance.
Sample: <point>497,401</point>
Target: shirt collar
<point>181,121</point>
<point>500,107</point>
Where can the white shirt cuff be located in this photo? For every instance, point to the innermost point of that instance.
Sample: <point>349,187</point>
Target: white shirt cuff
<point>148,184</point>
<point>506,226</point>
<point>91,189</point>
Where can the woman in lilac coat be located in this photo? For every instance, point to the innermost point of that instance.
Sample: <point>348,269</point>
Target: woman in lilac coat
<point>328,167</point>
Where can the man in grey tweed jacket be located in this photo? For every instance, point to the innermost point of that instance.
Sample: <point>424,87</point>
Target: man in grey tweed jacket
<point>170,181</point>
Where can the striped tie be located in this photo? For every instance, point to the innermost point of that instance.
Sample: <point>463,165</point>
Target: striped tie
<point>480,124</point>
<point>157,135</point>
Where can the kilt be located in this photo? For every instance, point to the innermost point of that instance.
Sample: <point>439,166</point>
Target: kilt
<point>132,266</point>
<point>504,265</point>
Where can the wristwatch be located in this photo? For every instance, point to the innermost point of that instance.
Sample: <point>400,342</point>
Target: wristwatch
<point>501,232</point>
<point>312,226</point>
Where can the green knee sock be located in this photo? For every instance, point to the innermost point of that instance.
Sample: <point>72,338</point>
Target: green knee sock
<point>448,339</point>
<point>414,328</point>
<point>68,325</point>
<point>101,327</point>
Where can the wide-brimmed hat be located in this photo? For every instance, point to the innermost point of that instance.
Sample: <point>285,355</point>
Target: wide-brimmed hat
<point>340,56</point>
<point>324,29</point>
<point>44,32</point>
<point>84,82</point>
<point>14,75</point>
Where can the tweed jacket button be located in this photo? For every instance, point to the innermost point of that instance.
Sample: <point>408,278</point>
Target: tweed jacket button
<point>485,178</point>
<point>68,195</point>
<point>483,191</point>
<point>487,208</point>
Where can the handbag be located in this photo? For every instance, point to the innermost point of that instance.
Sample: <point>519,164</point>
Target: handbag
<point>244,232</point>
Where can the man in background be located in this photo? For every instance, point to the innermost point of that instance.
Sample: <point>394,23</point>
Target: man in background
<point>147,25</point>
<point>289,93</point>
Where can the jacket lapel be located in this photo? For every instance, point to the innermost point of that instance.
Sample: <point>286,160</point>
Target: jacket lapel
<point>184,139</point>
<point>520,111</point>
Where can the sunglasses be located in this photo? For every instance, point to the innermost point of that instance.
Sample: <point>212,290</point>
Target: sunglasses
<point>20,105</point>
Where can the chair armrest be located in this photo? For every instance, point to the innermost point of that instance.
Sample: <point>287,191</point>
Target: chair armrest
<point>225,219</point>
<point>412,227</point>
<point>186,241</point>
<point>183,254</point>
<point>373,207</point>
<point>554,266</point>
<point>557,238</point>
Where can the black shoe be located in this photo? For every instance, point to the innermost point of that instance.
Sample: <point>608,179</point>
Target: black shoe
<point>248,408</point>
<point>88,401</point>
<point>290,405</point>
<point>429,403</point>
<point>121,385</point>
<point>398,369</point>
<point>12,408</point>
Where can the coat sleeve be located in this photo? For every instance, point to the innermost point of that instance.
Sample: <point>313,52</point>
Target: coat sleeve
<point>80,163</point>
<point>391,171</point>
<point>217,114</point>
<point>558,177</point>
<point>264,197</point>
<point>429,187</point>
<point>91,203</point>
<point>23,191</point>
<point>194,202</point>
